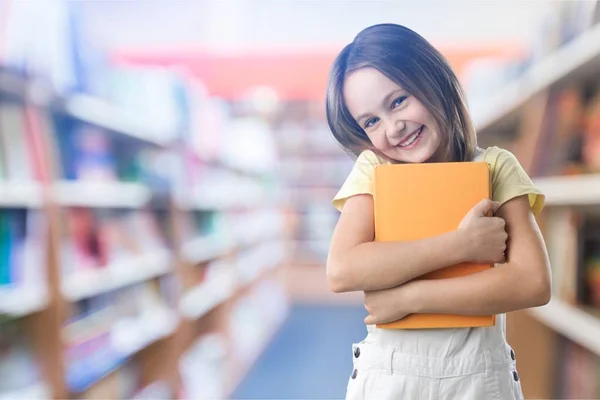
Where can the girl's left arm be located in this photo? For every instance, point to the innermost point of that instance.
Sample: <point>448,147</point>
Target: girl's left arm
<point>522,282</point>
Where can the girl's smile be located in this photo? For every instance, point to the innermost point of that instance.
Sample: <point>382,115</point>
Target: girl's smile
<point>396,123</point>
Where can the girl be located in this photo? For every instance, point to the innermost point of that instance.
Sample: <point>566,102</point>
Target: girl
<point>392,98</point>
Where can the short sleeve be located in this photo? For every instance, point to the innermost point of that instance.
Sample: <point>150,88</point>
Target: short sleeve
<point>509,180</point>
<point>360,179</point>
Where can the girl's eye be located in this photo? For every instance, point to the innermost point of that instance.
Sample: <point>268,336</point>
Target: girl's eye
<point>371,122</point>
<point>398,101</point>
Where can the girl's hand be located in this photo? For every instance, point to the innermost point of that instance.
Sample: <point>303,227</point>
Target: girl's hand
<point>387,305</point>
<point>484,237</point>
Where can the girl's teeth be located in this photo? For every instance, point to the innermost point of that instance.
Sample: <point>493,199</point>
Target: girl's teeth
<point>411,139</point>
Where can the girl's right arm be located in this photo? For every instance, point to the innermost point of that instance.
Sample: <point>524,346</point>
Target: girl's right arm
<point>357,263</point>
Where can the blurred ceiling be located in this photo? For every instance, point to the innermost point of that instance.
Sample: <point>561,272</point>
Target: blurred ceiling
<point>242,25</point>
<point>289,45</point>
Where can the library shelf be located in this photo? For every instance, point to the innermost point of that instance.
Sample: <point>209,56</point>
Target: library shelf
<point>117,275</point>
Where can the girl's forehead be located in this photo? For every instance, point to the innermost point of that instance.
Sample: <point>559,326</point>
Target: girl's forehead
<point>366,88</point>
<point>369,80</point>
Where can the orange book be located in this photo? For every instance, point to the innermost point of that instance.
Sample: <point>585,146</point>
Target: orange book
<point>417,201</point>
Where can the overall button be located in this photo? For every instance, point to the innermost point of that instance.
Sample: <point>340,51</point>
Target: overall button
<point>516,375</point>
<point>512,354</point>
<point>354,373</point>
<point>357,352</point>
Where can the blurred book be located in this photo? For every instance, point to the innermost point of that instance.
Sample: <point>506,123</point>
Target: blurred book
<point>591,137</point>
<point>96,238</point>
<point>103,331</point>
<point>19,367</point>
<point>17,151</point>
<point>578,372</point>
<point>23,240</point>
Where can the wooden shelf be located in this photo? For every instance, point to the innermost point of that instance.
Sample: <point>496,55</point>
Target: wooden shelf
<point>21,301</point>
<point>234,168</point>
<point>38,391</point>
<point>227,196</point>
<point>578,190</point>
<point>205,248</point>
<point>21,194</point>
<point>98,112</point>
<point>571,322</point>
<point>229,280</point>
<point>265,258</point>
<point>579,59</point>
<point>206,296</point>
<point>101,194</point>
<point>127,337</point>
<point>118,275</point>
<point>133,335</point>
<point>84,361</point>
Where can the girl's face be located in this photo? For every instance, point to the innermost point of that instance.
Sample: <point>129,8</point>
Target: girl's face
<point>396,122</point>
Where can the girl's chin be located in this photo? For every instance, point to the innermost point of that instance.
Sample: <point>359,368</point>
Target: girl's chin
<point>415,156</point>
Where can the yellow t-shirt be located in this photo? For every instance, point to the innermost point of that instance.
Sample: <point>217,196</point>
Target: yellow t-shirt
<point>509,179</point>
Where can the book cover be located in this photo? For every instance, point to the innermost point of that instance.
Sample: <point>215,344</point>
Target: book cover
<point>5,248</point>
<point>18,159</point>
<point>418,201</point>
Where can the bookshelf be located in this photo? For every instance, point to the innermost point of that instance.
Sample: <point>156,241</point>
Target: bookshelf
<point>101,194</point>
<point>131,252</point>
<point>21,194</point>
<point>578,60</point>
<point>21,301</point>
<point>571,322</point>
<point>548,116</point>
<point>116,275</point>
<point>575,191</point>
<point>99,112</point>
<point>313,168</point>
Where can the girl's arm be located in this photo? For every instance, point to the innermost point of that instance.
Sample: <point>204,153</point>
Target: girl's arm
<point>523,282</point>
<point>355,262</point>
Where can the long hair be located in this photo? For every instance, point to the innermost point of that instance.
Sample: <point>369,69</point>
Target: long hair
<point>406,58</point>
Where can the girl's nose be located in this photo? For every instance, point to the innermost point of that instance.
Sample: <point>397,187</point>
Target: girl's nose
<point>395,131</point>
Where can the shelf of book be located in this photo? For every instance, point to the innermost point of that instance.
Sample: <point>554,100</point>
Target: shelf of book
<point>120,282</point>
<point>571,190</point>
<point>21,194</point>
<point>22,300</point>
<point>228,196</point>
<point>206,248</point>
<point>94,111</point>
<point>131,336</point>
<point>260,261</point>
<point>101,194</point>
<point>576,61</point>
<point>38,391</point>
<point>230,278</point>
<point>572,322</point>
<point>123,273</point>
<point>126,338</point>
<point>548,117</point>
<point>206,296</point>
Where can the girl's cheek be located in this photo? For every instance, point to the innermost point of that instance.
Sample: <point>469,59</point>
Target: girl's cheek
<point>382,142</point>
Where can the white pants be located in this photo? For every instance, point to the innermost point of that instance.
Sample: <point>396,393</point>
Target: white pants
<point>382,373</point>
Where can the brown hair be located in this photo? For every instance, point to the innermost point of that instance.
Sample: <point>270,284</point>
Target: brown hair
<point>413,63</point>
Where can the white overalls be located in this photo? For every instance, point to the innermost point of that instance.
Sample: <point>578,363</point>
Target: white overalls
<point>436,364</point>
<point>463,364</point>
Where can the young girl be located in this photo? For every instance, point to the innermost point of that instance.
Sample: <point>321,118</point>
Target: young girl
<point>392,98</point>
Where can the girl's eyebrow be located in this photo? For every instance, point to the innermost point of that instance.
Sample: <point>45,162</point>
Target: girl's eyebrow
<point>385,100</point>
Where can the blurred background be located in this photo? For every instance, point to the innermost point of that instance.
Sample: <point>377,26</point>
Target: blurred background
<point>166,176</point>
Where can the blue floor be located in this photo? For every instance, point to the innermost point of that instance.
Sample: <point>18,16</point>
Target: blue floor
<point>310,357</point>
